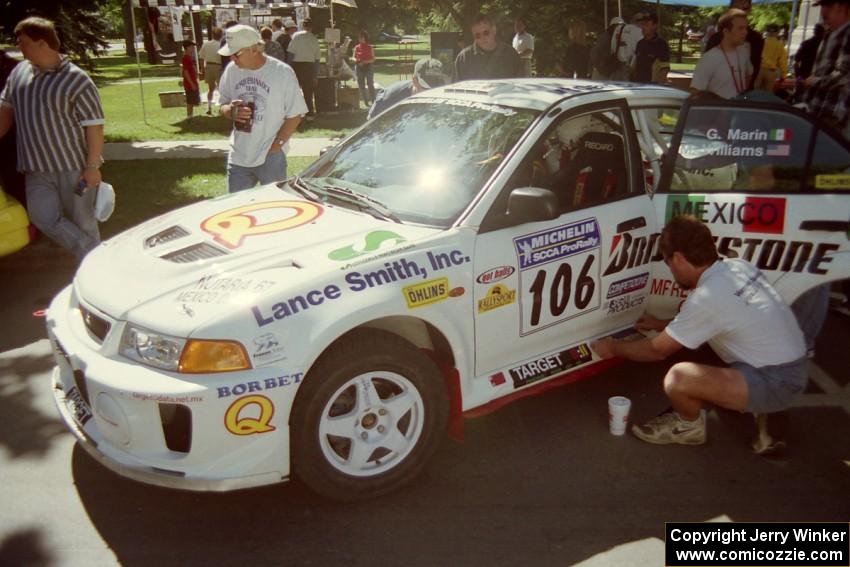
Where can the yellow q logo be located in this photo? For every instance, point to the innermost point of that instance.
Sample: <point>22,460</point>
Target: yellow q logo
<point>239,425</point>
<point>230,227</point>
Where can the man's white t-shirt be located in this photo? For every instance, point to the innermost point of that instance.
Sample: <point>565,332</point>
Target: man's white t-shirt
<point>628,35</point>
<point>274,90</point>
<point>523,41</point>
<point>725,74</point>
<point>736,311</point>
<point>304,47</point>
<point>209,51</point>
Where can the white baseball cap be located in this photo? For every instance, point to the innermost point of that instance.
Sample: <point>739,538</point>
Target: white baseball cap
<point>238,38</point>
<point>616,20</point>
<point>289,23</point>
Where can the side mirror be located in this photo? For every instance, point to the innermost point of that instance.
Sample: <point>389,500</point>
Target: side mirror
<point>324,150</point>
<point>532,204</point>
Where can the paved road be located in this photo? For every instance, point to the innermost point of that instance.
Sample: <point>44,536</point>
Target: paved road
<point>540,482</point>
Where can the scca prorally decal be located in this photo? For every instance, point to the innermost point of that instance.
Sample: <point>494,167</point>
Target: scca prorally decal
<point>627,285</point>
<point>249,415</point>
<point>498,296</point>
<point>392,273</point>
<point>374,241</point>
<point>552,244</point>
<point>426,293</point>
<point>549,365</point>
<point>231,227</point>
<point>259,385</point>
<point>754,214</point>
<point>494,275</point>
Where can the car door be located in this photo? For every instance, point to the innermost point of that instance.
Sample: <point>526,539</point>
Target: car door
<point>542,289</point>
<point>772,184</point>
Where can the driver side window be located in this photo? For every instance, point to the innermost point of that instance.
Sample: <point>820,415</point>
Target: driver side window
<point>581,159</point>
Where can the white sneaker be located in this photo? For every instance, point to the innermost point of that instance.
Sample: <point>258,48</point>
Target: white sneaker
<point>670,428</point>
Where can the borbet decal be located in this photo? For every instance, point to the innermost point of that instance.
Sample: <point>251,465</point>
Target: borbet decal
<point>231,227</point>
<point>547,366</point>
<point>755,214</point>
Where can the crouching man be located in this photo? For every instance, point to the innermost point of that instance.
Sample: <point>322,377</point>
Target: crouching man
<point>734,309</point>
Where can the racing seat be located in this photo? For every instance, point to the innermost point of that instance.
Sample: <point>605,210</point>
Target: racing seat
<point>595,174</point>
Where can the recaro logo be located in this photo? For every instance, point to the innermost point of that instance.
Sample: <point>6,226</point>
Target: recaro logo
<point>599,146</point>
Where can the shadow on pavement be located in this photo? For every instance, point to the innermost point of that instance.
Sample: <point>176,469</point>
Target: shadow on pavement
<point>26,430</point>
<point>25,547</point>
<point>540,482</point>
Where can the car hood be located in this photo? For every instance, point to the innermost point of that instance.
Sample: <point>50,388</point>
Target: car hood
<point>178,270</point>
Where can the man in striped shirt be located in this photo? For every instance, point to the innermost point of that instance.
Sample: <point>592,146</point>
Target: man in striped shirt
<point>59,119</point>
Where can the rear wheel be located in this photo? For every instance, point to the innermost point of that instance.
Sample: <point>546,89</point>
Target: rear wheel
<point>368,416</point>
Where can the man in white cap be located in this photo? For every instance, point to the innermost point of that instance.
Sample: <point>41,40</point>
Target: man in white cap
<point>260,95</point>
<point>289,28</point>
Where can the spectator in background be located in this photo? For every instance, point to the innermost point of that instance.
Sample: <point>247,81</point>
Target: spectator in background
<point>487,57</point>
<point>827,93</point>
<point>613,55</point>
<point>304,57</point>
<point>283,39</point>
<point>271,47</point>
<point>59,145</point>
<point>576,60</point>
<point>260,95</point>
<point>754,39</point>
<point>190,78</point>
<point>652,55</point>
<point>774,61</point>
<point>277,29</point>
<point>726,69</point>
<point>427,74</point>
<point>364,57</point>
<point>523,43</point>
<point>211,65</point>
<point>804,59</point>
<point>11,179</point>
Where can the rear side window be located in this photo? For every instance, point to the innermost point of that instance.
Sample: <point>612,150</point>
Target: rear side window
<point>742,149</point>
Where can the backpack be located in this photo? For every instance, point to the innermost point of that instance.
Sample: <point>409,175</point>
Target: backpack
<point>602,56</point>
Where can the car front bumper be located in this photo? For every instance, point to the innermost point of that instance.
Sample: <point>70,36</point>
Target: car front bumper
<point>159,427</point>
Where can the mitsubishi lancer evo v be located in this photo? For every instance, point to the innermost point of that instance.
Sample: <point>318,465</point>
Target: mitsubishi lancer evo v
<point>459,251</point>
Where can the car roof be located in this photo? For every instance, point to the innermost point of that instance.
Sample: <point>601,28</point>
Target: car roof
<point>540,94</point>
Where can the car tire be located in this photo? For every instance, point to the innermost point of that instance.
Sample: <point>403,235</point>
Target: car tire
<point>368,416</point>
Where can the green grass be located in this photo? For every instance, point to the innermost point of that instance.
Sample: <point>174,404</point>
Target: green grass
<point>147,188</point>
<point>122,105</point>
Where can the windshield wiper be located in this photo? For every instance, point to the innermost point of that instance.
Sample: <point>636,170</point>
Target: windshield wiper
<point>364,201</point>
<point>300,186</point>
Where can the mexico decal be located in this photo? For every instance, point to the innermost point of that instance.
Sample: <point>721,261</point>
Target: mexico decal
<point>559,271</point>
<point>230,227</point>
<point>752,214</point>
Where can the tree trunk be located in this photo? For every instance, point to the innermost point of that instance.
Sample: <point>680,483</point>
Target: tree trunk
<point>129,40</point>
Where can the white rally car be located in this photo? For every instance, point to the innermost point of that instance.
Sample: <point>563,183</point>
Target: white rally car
<point>457,252</point>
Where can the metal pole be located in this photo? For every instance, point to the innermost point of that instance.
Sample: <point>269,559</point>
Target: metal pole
<point>620,8</point>
<point>194,37</point>
<point>138,66</point>
<point>605,15</point>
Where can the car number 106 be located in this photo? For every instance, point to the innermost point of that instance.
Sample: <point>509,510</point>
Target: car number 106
<point>559,291</point>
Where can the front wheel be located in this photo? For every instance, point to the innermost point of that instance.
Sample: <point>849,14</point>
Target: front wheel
<point>367,418</point>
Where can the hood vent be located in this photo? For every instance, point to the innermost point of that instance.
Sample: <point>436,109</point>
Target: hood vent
<point>166,236</point>
<point>195,253</point>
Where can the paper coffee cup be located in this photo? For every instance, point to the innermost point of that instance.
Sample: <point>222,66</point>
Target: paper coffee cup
<point>618,414</point>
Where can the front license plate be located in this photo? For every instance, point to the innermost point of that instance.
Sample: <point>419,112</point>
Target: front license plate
<point>78,406</point>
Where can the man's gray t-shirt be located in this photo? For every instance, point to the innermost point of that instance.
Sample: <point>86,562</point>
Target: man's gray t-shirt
<point>725,74</point>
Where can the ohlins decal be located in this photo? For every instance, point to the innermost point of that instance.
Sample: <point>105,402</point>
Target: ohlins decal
<point>230,227</point>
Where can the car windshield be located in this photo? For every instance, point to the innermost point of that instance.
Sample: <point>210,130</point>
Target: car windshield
<point>424,160</point>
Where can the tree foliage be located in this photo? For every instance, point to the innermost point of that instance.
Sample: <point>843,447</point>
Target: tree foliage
<point>81,28</point>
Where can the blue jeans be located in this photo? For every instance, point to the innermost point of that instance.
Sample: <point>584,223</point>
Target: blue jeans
<point>272,170</point>
<point>58,212</point>
<point>366,76</point>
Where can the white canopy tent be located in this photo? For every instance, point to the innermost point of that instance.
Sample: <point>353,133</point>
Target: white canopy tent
<point>197,5</point>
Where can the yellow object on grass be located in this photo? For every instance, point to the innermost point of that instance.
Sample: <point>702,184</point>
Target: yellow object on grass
<point>14,233</point>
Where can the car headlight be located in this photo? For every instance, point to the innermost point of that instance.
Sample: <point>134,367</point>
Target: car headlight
<point>182,355</point>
